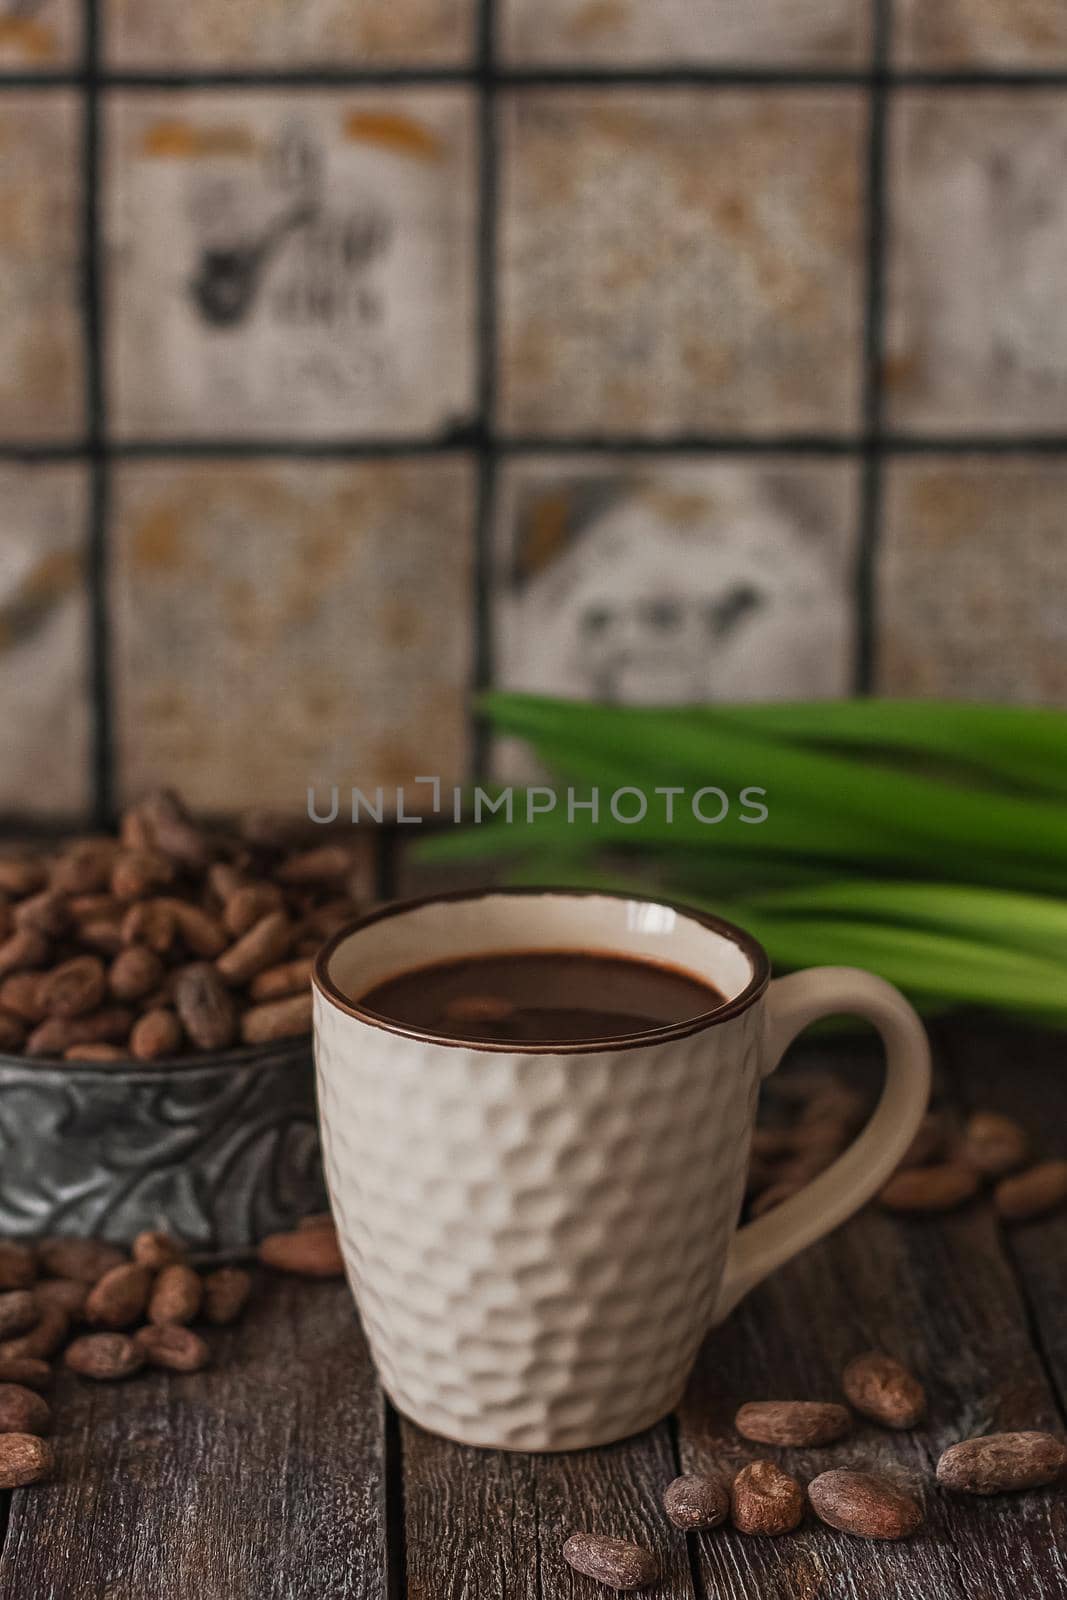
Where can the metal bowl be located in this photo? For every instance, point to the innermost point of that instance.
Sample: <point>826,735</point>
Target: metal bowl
<point>221,1149</point>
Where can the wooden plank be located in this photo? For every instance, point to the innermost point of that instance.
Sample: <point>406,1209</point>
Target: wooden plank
<point>486,1525</point>
<point>260,1479</point>
<point>941,1296</point>
<point>1023,1074</point>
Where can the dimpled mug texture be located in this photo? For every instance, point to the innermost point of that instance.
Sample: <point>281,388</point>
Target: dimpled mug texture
<point>535,1241</point>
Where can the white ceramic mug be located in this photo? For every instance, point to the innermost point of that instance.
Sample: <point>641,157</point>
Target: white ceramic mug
<point>538,1239</point>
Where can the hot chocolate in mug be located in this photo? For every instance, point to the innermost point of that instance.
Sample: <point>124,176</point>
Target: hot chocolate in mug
<point>539,1237</point>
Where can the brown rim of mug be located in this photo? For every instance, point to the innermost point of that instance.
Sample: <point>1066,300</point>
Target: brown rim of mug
<point>750,947</point>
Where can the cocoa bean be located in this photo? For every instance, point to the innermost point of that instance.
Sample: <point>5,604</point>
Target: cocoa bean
<point>23,1411</point>
<point>104,1356</point>
<point>880,1387</point>
<point>74,988</point>
<point>202,934</point>
<point>262,946</point>
<point>155,1035</point>
<point>156,1249</point>
<point>281,1019</point>
<point>178,1349</point>
<point>151,923</point>
<point>24,948</point>
<point>21,995</point>
<point>173,832</point>
<point>135,972</point>
<point>103,936</point>
<point>18,1312</point>
<point>864,1504</point>
<point>226,1293</point>
<point>84,1260</point>
<point>176,1296</point>
<point>616,1563</point>
<point>24,1459</point>
<point>309,1252</point>
<point>47,913</point>
<point>88,1053</point>
<point>18,1265</point>
<point>207,1012</point>
<point>1032,1193</point>
<point>793,1422</point>
<point>277,983</point>
<point>118,1299</point>
<point>42,1341</point>
<point>26,1370</point>
<point>695,1501</point>
<point>57,1035</point>
<point>999,1462</point>
<point>84,868</point>
<point>223,881</point>
<point>766,1500</point>
<point>250,904</point>
<point>329,863</point>
<point>993,1145</point>
<point>137,874</point>
<point>94,907</point>
<point>20,877</point>
<point>927,1189</point>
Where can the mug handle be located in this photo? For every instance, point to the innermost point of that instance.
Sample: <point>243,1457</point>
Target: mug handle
<point>793,1003</point>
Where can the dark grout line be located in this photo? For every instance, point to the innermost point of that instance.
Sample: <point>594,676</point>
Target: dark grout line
<point>100,632</point>
<point>470,443</point>
<point>543,77</point>
<point>482,665</point>
<point>871,495</point>
<point>396,1578</point>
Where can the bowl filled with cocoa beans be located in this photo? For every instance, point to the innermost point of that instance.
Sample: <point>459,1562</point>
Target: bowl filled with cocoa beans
<point>155,1025</point>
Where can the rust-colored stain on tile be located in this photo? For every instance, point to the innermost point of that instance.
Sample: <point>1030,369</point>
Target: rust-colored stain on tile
<point>733,303</point>
<point>394,132</point>
<point>41,35</point>
<point>972,576</point>
<point>291,623</point>
<point>184,141</point>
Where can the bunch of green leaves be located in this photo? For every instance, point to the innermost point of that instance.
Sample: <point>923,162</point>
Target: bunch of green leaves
<point>925,841</point>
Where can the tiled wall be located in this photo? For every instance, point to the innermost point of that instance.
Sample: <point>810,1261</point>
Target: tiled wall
<point>355,352</point>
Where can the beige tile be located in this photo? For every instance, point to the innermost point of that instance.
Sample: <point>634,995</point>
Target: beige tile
<point>981,33</point>
<point>277,33</point>
<point>44,642</point>
<point>673,579</point>
<point>287,623</point>
<point>680,261</point>
<point>972,578</point>
<point>39,36</point>
<point>40,330</point>
<point>831,33</point>
<point>976,336</point>
<point>296,264</point>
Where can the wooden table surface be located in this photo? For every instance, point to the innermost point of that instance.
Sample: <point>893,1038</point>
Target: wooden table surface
<point>281,1474</point>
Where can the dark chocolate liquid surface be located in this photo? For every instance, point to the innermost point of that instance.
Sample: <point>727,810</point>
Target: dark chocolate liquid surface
<point>535,997</point>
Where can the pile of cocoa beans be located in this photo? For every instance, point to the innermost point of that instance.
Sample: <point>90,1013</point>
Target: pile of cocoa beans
<point>171,938</point>
<point>808,1118</point>
<point>109,1313</point>
<point>762,1498</point>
